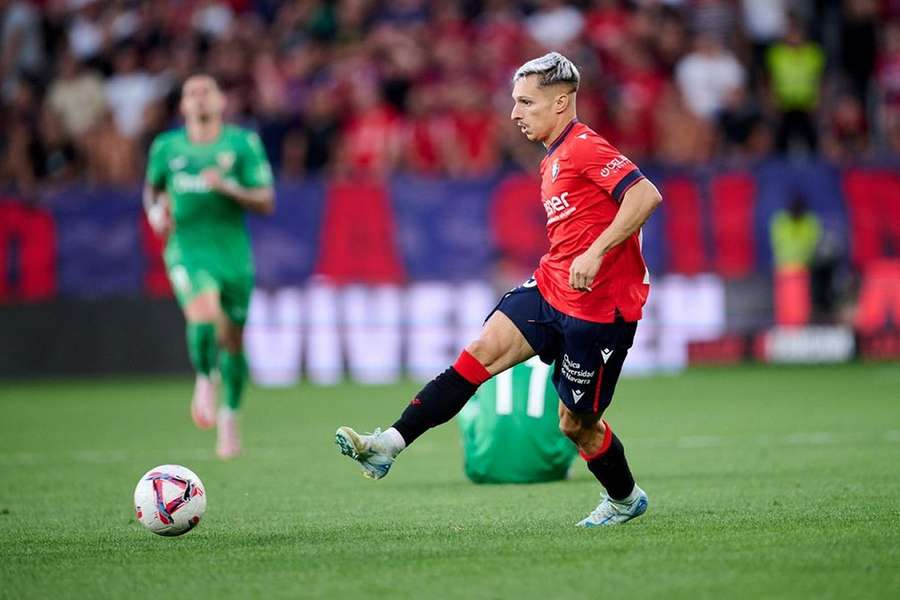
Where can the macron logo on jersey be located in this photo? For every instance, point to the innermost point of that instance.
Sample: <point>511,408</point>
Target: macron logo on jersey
<point>614,165</point>
<point>558,207</point>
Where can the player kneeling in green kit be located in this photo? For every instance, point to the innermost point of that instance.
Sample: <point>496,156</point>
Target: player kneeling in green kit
<point>201,180</point>
<point>510,429</point>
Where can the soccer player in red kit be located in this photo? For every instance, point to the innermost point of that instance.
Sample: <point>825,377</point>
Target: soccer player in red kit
<point>579,311</point>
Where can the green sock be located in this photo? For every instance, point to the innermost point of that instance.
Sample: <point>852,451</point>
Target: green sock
<point>233,369</point>
<point>201,342</point>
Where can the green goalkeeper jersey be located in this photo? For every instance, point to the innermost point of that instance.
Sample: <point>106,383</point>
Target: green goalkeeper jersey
<point>210,231</point>
<point>510,429</point>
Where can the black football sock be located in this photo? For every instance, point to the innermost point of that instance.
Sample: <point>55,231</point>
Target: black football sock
<point>610,467</point>
<point>441,398</point>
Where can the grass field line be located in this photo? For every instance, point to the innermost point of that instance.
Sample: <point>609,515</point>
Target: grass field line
<point>800,438</point>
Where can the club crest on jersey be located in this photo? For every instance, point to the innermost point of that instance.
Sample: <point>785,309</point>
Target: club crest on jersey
<point>178,163</point>
<point>554,170</point>
<point>225,160</point>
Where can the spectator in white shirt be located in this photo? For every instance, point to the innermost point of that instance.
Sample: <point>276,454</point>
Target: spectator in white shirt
<point>555,24</point>
<point>130,90</point>
<point>77,97</point>
<point>707,76</point>
<point>87,34</point>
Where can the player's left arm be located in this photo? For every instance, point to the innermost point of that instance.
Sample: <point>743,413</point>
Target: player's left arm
<point>253,188</point>
<point>256,199</point>
<point>638,203</point>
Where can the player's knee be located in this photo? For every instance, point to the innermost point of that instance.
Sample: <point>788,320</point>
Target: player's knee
<point>204,307</point>
<point>231,345</point>
<point>230,339</point>
<point>483,349</point>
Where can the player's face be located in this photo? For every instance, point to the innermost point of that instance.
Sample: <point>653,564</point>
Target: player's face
<point>534,108</point>
<point>201,99</point>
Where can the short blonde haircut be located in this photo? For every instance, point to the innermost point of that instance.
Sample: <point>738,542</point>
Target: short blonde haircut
<point>552,69</point>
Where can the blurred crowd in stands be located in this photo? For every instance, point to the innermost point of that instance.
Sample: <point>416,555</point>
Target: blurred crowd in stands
<point>357,88</point>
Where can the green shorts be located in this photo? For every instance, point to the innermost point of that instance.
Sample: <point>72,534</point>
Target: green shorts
<point>189,281</point>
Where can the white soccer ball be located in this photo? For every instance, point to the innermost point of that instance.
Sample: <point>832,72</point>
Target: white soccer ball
<point>169,500</point>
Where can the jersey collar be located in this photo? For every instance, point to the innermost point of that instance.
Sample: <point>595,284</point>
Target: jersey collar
<point>562,136</point>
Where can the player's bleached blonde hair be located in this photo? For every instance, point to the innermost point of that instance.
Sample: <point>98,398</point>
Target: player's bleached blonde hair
<point>552,68</point>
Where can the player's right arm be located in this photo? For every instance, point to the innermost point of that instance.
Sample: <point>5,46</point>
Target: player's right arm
<point>156,200</point>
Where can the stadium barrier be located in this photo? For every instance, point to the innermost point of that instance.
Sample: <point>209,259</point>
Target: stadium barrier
<point>90,242</point>
<point>376,334</point>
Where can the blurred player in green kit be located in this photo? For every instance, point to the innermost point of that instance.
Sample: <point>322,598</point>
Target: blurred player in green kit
<point>201,180</point>
<point>510,429</point>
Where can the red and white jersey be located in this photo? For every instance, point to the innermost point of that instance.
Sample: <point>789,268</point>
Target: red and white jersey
<point>583,181</point>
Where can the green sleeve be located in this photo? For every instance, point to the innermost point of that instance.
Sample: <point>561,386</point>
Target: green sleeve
<point>253,168</point>
<point>156,163</point>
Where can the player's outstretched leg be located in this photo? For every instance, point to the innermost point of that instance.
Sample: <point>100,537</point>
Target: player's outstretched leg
<point>201,340</point>
<point>234,373</point>
<point>500,346</point>
<point>436,403</point>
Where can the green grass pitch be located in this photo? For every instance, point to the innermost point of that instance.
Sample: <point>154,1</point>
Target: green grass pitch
<point>763,483</point>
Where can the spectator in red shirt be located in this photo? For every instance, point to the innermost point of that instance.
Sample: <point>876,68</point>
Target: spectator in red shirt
<point>428,134</point>
<point>370,140</point>
<point>608,27</point>
<point>474,131</point>
<point>640,91</point>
